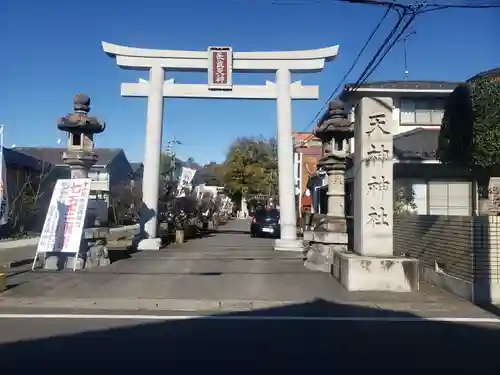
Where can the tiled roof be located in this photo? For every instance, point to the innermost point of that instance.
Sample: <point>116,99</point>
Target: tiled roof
<point>311,151</point>
<point>53,155</point>
<point>19,159</point>
<point>417,144</point>
<point>136,166</point>
<point>407,85</point>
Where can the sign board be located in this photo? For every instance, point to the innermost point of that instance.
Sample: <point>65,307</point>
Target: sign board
<point>63,227</point>
<point>220,68</point>
<point>185,179</point>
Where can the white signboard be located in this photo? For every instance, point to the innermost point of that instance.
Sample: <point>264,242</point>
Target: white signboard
<point>186,178</point>
<point>63,227</point>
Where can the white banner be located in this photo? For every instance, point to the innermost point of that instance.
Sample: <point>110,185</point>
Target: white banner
<point>63,227</point>
<point>186,178</point>
<point>4,197</point>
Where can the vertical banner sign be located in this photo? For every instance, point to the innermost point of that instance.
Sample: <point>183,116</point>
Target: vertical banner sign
<point>186,178</point>
<point>63,227</point>
<point>220,68</point>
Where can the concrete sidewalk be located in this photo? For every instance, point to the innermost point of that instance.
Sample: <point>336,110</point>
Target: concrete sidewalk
<point>225,271</point>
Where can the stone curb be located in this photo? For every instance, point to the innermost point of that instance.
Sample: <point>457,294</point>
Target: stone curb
<point>6,245</point>
<point>139,304</point>
<point>16,263</point>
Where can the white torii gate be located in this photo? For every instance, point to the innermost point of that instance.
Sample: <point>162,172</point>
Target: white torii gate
<point>220,63</point>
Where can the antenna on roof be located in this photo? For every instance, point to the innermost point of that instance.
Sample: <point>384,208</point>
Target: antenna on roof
<point>404,39</point>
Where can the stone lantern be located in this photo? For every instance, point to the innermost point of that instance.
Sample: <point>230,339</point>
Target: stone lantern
<point>81,129</point>
<point>80,157</point>
<point>329,235</point>
<point>335,130</point>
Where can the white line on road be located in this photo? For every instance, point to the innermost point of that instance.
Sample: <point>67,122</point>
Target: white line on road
<point>374,319</point>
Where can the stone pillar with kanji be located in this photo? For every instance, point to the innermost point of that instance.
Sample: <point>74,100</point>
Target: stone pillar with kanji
<point>373,180</point>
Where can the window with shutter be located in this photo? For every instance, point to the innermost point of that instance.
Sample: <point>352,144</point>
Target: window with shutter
<point>438,111</point>
<point>423,112</point>
<point>420,191</point>
<point>450,198</point>
<point>459,198</point>
<point>407,111</point>
<point>438,198</point>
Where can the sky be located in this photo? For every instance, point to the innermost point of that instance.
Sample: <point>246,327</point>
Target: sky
<point>51,50</point>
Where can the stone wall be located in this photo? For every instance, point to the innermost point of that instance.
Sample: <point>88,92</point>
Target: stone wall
<point>464,247</point>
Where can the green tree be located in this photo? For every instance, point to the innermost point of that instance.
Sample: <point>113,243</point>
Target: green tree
<point>470,133</point>
<point>251,167</point>
<point>166,164</point>
<point>213,174</point>
<point>404,201</point>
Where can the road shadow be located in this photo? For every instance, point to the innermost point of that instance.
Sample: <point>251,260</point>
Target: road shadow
<point>259,340</point>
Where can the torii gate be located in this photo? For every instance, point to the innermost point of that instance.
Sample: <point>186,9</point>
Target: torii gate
<point>220,63</point>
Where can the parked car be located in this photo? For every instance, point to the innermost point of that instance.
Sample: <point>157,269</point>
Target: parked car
<point>265,223</point>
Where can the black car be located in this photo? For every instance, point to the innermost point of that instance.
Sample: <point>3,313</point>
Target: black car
<point>265,223</point>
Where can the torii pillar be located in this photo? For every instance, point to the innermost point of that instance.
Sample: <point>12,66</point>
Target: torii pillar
<point>220,62</point>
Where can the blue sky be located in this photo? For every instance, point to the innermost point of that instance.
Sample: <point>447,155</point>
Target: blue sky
<point>52,49</point>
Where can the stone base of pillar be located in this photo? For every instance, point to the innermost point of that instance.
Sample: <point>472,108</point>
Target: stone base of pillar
<point>59,261</point>
<point>319,258</point>
<point>288,245</point>
<point>378,274</point>
<point>327,238</point>
<point>149,244</point>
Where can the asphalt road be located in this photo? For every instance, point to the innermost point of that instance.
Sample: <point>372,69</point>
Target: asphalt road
<point>60,345</point>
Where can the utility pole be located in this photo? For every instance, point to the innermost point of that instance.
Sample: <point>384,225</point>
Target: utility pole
<point>170,151</point>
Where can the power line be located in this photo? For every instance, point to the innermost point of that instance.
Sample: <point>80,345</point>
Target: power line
<point>370,37</point>
<point>364,75</point>
<point>406,9</point>
<point>372,61</point>
<point>470,5</point>
<point>398,37</point>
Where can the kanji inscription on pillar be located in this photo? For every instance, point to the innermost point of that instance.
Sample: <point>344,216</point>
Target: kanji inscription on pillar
<point>377,153</point>
<point>373,185</point>
<point>220,68</point>
<point>378,184</point>
<point>338,180</point>
<point>376,157</point>
<point>378,217</point>
<point>377,122</point>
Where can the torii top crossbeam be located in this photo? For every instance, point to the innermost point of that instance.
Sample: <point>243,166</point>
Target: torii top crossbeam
<point>296,61</point>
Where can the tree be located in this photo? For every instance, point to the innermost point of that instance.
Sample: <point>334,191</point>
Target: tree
<point>404,201</point>
<point>166,164</point>
<point>29,199</point>
<point>213,174</point>
<point>470,133</point>
<point>251,167</point>
<point>126,203</point>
